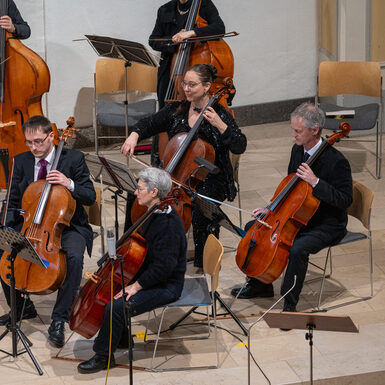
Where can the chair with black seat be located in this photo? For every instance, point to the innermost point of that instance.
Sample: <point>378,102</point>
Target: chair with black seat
<point>353,78</point>
<point>196,293</point>
<point>360,209</point>
<point>114,84</point>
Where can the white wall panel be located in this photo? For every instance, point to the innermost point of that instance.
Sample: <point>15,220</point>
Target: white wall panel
<point>275,53</point>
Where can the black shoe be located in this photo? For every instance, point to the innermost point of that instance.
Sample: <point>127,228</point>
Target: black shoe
<point>287,307</point>
<point>95,364</point>
<point>56,334</point>
<point>251,291</point>
<point>29,312</point>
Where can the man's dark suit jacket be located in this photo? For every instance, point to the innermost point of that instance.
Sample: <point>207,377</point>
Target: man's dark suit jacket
<point>72,165</point>
<point>334,190</point>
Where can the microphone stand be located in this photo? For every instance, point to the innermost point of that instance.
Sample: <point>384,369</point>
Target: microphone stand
<point>252,325</point>
<point>127,320</point>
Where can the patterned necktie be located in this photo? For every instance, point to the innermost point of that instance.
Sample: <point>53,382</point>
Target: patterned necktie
<point>306,156</point>
<point>43,169</point>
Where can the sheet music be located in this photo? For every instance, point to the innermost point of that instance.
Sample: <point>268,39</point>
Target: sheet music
<point>121,49</point>
<point>214,213</point>
<point>126,178</point>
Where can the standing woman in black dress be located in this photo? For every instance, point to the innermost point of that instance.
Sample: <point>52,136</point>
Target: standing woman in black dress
<point>218,129</point>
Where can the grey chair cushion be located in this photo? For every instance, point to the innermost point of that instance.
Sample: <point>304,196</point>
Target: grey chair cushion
<point>195,293</point>
<point>364,119</point>
<point>112,114</point>
<point>352,237</point>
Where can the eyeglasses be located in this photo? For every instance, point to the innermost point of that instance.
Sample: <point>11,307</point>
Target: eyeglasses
<point>189,84</point>
<point>36,142</point>
<point>140,189</point>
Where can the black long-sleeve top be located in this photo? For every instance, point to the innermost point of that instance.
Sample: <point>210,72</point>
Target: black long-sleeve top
<point>334,190</point>
<point>169,22</point>
<point>165,261</point>
<point>173,119</point>
<point>22,29</point>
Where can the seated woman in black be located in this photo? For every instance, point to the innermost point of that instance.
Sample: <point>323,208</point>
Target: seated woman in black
<point>161,277</point>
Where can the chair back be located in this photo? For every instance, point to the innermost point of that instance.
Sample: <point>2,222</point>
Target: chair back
<point>357,78</point>
<point>109,76</point>
<point>362,203</point>
<point>212,256</point>
<point>94,211</point>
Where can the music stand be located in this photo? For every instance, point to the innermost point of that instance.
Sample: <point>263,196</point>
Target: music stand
<point>129,51</point>
<point>17,245</point>
<point>215,214</point>
<point>309,322</point>
<point>113,174</point>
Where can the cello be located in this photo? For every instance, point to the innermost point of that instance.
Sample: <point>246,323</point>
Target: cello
<point>263,252</point>
<point>88,308</point>
<point>178,161</point>
<point>24,78</point>
<point>47,210</point>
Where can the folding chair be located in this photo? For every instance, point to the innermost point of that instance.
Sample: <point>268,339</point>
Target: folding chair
<point>360,209</point>
<point>353,78</point>
<point>196,293</point>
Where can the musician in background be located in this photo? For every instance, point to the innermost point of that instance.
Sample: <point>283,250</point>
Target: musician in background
<point>159,280</point>
<point>14,23</point>
<point>331,179</point>
<point>218,128</point>
<point>72,173</point>
<point>170,23</point>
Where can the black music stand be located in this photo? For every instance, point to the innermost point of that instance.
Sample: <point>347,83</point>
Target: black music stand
<point>310,322</point>
<point>114,174</point>
<point>15,243</point>
<point>129,51</point>
<point>215,214</point>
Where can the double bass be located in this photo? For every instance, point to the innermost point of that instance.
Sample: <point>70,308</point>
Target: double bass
<point>263,252</point>
<point>201,51</point>
<point>24,78</point>
<point>88,308</point>
<point>47,210</point>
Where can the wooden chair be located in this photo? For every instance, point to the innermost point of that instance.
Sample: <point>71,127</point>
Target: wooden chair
<point>353,78</point>
<point>111,91</point>
<point>360,209</point>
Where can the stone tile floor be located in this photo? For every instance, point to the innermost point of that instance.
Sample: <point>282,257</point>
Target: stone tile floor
<point>339,358</point>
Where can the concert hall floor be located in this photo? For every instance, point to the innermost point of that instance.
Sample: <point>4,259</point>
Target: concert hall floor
<point>339,358</point>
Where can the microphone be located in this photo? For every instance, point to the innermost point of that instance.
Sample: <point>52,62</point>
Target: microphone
<point>111,242</point>
<point>211,168</point>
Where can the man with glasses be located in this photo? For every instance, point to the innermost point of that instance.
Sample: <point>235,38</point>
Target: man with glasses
<point>72,173</point>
